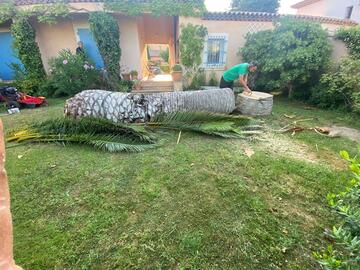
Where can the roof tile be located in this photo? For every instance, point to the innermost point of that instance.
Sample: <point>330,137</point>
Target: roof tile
<point>263,16</point>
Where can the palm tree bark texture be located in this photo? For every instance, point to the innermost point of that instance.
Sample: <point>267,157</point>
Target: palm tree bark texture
<point>132,108</point>
<point>6,236</point>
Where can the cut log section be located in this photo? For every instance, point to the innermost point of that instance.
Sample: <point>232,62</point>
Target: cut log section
<point>256,104</point>
<point>131,107</point>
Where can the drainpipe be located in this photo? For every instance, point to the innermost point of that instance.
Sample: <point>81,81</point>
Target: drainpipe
<point>6,236</point>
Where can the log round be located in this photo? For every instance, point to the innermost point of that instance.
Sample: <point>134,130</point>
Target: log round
<point>256,104</point>
<point>130,107</point>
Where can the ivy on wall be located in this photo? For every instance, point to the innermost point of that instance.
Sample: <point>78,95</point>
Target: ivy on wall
<point>45,13</point>
<point>106,33</point>
<point>351,38</point>
<point>157,7</point>
<point>27,48</point>
<point>7,11</point>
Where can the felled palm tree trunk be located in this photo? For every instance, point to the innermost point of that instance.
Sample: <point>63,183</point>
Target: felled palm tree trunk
<point>130,107</point>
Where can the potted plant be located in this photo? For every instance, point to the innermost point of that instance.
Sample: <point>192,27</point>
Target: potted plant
<point>176,72</point>
<point>134,75</point>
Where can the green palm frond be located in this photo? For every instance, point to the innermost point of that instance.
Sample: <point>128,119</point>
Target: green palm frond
<point>116,137</point>
<point>220,125</point>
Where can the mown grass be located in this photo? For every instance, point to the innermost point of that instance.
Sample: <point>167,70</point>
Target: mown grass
<point>200,204</point>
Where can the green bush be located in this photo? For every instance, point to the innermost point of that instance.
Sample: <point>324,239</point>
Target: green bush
<point>291,57</point>
<point>106,33</point>
<point>70,74</point>
<point>339,87</point>
<point>344,253</point>
<point>165,68</point>
<point>177,68</point>
<point>213,81</point>
<point>197,82</point>
<point>351,37</point>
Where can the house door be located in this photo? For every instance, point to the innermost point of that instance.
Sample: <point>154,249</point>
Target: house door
<point>85,35</point>
<point>7,56</point>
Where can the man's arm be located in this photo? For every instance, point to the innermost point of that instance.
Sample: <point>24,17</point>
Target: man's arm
<point>243,82</point>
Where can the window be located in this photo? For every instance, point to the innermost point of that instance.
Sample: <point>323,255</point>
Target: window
<point>349,11</point>
<point>215,51</point>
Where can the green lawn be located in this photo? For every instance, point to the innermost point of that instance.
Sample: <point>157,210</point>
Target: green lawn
<point>201,204</point>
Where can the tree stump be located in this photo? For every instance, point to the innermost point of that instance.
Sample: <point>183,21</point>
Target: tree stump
<point>256,104</point>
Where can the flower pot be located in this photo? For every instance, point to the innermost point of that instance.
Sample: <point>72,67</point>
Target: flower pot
<point>176,76</point>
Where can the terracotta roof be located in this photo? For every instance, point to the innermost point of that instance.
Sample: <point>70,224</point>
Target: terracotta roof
<point>304,3</point>
<point>268,17</point>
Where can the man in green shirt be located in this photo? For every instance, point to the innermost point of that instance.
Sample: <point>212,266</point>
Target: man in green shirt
<point>238,72</point>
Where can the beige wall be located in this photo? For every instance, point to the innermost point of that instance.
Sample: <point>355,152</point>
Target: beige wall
<point>62,35</point>
<point>53,38</point>
<point>332,8</point>
<point>315,9</point>
<point>129,44</point>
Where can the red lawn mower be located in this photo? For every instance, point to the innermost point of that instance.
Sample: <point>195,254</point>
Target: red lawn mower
<point>15,100</point>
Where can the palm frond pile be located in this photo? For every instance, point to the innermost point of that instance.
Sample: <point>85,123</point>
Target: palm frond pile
<point>117,137</point>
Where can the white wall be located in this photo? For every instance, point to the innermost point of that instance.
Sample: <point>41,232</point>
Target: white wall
<point>332,8</point>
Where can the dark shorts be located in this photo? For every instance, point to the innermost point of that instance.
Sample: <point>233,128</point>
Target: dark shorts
<point>225,84</point>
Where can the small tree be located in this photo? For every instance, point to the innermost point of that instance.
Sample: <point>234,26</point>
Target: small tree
<point>256,5</point>
<point>106,33</point>
<point>290,57</point>
<point>191,47</point>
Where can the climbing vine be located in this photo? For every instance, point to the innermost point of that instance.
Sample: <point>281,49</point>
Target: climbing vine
<point>7,11</point>
<point>27,49</point>
<point>45,13</point>
<point>157,7</point>
<point>351,38</point>
<point>106,33</point>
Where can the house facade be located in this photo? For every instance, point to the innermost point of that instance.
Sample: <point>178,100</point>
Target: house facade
<point>341,9</point>
<point>226,35</point>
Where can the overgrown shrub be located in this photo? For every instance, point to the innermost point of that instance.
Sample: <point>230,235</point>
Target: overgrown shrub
<point>344,253</point>
<point>191,47</point>
<point>106,33</point>
<point>340,87</point>
<point>70,74</point>
<point>291,57</point>
<point>351,37</point>
<point>31,75</point>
